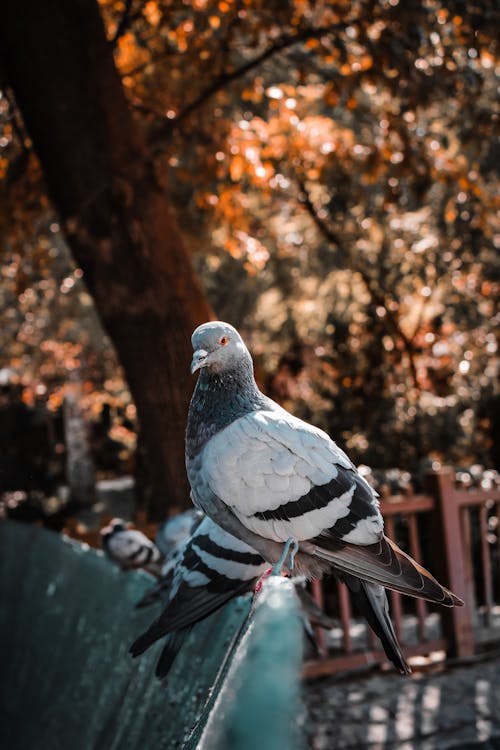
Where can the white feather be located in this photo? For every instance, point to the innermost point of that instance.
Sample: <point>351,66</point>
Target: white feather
<point>288,454</point>
<point>230,568</point>
<point>366,531</point>
<point>194,578</point>
<point>307,525</point>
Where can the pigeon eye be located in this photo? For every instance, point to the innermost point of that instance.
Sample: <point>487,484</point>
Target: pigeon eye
<point>223,340</point>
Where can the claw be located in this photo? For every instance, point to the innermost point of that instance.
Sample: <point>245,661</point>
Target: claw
<point>291,548</point>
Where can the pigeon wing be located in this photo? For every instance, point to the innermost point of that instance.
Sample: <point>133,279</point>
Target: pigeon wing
<point>385,563</point>
<point>158,592</point>
<point>285,478</point>
<point>188,607</point>
<point>215,567</point>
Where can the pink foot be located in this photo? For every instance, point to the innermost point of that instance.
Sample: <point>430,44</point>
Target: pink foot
<point>261,580</point>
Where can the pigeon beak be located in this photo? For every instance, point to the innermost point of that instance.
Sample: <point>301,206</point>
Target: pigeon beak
<point>199,360</point>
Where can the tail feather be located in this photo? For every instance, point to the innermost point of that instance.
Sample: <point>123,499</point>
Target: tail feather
<point>188,606</point>
<point>371,601</point>
<point>144,641</point>
<point>384,563</point>
<point>173,645</point>
<point>312,612</point>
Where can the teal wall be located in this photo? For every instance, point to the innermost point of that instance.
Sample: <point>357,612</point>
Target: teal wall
<point>67,619</point>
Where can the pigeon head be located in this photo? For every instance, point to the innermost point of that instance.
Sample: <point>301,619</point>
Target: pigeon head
<point>115,525</point>
<point>219,348</point>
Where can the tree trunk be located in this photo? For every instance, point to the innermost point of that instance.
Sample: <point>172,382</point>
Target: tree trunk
<point>115,215</point>
<point>80,472</point>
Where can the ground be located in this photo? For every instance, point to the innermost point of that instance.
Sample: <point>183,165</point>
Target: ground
<point>458,707</point>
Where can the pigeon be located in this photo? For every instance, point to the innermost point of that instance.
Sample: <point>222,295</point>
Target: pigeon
<point>173,533</point>
<point>229,572</point>
<point>214,567</point>
<point>171,538</point>
<point>130,548</point>
<point>269,478</point>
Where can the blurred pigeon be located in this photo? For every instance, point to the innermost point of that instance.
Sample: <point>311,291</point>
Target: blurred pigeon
<point>174,532</point>
<point>130,548</point>
<point>270,478</point>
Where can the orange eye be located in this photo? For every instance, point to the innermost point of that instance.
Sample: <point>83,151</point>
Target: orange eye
<point>223,340</point>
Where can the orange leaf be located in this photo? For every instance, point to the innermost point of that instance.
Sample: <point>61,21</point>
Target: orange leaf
<point>237,168</point>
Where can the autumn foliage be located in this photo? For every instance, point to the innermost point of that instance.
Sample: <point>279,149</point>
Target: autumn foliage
<point>333,167</point>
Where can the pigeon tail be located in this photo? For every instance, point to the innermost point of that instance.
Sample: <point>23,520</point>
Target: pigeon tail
<point>312,612</point>
<point>371,601</point>
<point>173,645</point>
<point>188,607</point>
<point>384,563</point>
<point>144,641</point>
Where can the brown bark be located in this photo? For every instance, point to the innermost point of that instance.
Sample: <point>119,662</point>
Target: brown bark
<point>115,214</point>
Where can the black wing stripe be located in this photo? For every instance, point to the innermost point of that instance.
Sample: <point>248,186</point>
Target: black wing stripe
<point>317,497</point>
<point>205,543</point>
<point>362,504</point>
<point>135,554</point>
<point>218,582</point>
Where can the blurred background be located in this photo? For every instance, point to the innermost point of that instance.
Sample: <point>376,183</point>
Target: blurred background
<point>323,176</point>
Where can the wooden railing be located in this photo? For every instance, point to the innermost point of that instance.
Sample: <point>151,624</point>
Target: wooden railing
<point>456,534</point>
<point>472,554</point>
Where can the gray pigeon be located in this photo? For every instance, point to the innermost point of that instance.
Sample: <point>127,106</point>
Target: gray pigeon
<point>211,568</point>
<point>267,477</point>
<point>227,564</point>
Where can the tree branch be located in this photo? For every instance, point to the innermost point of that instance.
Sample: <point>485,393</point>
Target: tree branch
<point>124,23</point>
<point>378,295</point>
<point>15,117</point>
<point>321,224</point>
<point>227,77</point>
